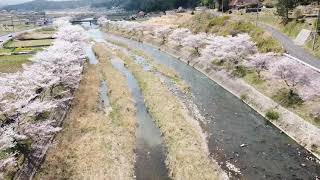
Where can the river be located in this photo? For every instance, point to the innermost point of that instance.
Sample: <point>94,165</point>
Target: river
<point>237,135</point>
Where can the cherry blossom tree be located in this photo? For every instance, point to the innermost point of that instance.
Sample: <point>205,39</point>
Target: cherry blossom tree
<point>232,49</point>
<point>177,36</point>
<point>260,62</point>
<point>195,42</point>
<point>162,33</point>
<point>32,91</point>
<point>103,21</point>
<point>60,22</point>
<point>293,76</point>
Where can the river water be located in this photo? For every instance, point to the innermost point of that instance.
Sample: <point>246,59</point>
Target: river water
<point>238,137</point>
<point>150,151</point>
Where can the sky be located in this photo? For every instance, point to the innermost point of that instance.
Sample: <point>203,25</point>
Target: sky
<point>9,2</point>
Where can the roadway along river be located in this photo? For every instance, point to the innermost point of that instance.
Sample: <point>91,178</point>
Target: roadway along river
<point>236,133</point>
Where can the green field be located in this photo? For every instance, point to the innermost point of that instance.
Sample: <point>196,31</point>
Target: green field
<point>18,27</point>
<point>9,62</point>
<point>12,63</point>
<point>43,33</point>
<point>28,43</point>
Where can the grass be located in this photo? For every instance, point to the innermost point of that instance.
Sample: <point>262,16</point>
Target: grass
<point>187,156</point>
<point>158,67</point>
<point>286,99</point>
<point>43,33</point>
<point>92,144</point>
<point>12,63</point>
<point>316,50</point>
<point>252,78</point>
<point>272,115</point>
<point>281,96</point>
<point>4,51</point>
<point>18,27</point>
<point>28,43</point>
<point>225,25</point>
<point>239,71</point>
<point>34,36</point>
<point>123,118</point>
<point>293,28</point>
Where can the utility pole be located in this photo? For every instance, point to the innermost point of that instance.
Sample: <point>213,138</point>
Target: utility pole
<point>12,23</point>
<point>258,7</point>
<point>222,1</point>
<point>316,31</point>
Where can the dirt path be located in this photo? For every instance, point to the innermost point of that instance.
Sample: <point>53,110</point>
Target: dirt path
<point>291,48</point>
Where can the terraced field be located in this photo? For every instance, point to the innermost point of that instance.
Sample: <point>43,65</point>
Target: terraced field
<point>20,50</point>
<point>29,43</point>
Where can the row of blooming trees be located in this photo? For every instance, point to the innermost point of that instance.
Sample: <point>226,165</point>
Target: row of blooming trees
<point>29,98</point>
<point>233,52</point>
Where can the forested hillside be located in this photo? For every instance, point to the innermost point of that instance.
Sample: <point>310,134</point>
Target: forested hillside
<point>147,5</point>
<point>47,5</point>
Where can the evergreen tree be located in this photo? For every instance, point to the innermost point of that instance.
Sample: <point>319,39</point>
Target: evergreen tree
<point>283,8</point>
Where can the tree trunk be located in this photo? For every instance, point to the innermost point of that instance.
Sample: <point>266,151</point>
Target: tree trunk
<point>291,93</point>
<point>287,12</point>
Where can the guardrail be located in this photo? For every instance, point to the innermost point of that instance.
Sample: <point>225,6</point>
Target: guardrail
<point>302,62</point>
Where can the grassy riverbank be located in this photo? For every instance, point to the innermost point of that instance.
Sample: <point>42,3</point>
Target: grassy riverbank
<point>187,156</point>
<point>94,144</point>
<point>226,25</point>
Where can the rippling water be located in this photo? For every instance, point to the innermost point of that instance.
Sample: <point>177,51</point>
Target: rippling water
<point>238,137</point>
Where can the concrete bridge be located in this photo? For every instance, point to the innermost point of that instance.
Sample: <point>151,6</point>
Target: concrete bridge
<point>89,20</point>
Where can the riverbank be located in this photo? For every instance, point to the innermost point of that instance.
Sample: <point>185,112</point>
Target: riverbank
<point>95,143</point>
<point>301,131</point>
<point>294,126</point>
<point>188,156</point>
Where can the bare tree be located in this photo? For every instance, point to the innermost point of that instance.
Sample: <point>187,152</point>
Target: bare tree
<point>292,76</point>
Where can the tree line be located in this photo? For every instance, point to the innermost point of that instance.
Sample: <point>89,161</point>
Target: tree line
<point>283,6</point>
<point>149,5</point>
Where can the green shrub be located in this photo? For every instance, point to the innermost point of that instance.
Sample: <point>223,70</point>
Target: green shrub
<point>240,71</point>
<point>272,115</point>
<point>315,148</point>
<point>317,119</point>
<point>288,98</point>
<point>244,97</point>
<point>217,62</point>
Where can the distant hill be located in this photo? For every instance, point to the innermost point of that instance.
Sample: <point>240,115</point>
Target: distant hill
<point>47,5</point>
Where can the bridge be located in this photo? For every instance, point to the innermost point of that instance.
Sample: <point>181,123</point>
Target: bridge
<point>91,21</point>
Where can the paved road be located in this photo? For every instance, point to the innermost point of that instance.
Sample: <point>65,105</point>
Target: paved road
<point>4,39</point>
<point>7,37</point>
<point>291,48</point>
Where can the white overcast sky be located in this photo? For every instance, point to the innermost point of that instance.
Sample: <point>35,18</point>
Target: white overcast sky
<point>9,2</point>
